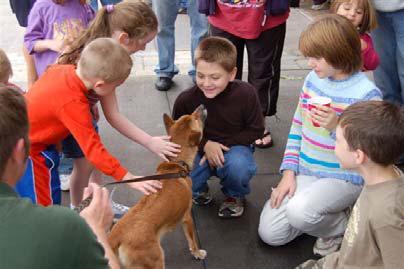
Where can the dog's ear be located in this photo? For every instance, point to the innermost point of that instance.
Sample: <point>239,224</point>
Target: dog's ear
<point>194,138</point>
<point>168,122</point>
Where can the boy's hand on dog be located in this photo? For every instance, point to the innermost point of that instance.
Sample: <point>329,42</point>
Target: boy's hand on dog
<point>325,117</point>
<point>286,186</point>
<point>214,154</point>
<point>147,187</point>
<point>162,146</point>
<point>98,214</point>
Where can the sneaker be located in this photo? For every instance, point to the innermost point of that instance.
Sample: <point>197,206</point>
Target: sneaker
<point>119,210</point>
<point>231,208</point>
<point>204,198</point>
<point>64,182</point>
<point>322,6</point>
<point>327,246</point>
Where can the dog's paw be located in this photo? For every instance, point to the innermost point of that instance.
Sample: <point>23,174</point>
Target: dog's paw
<point>199,254</point>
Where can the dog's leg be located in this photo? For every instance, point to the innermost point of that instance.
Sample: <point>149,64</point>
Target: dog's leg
<point>189,231</point>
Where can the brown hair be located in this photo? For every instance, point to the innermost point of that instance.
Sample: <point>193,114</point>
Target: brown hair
<point>335,39</point>
<point>5,67</point>
<point>217,50</point>
<point>104,58</point>
<point>369,20</point>
<point>61,2</point>
<point>376,128</point>
<point>13,124</point>
<point>133,17</point>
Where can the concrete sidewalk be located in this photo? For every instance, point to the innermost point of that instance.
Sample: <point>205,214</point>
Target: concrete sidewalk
<point>229,243</point>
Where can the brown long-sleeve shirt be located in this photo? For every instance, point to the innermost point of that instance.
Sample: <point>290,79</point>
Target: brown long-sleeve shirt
<point>234,116</point>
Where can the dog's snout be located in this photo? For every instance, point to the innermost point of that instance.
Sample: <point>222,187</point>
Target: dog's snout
<point>203,113</point>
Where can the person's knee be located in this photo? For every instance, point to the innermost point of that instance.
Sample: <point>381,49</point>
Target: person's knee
<point>297,215</point>
<point>272,228</point>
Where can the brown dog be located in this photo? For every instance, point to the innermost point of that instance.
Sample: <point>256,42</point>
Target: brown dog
<point>136,237</point>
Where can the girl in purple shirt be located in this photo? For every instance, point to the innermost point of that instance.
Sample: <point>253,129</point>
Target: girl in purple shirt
<point>51,24</point>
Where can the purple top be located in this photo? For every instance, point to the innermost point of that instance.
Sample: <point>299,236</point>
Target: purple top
<point>48,20</point>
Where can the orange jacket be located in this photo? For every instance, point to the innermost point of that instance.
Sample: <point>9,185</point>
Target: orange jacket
<point>57,105</point>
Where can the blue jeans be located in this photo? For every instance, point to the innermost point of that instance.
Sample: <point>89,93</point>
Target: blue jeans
<point>166,11</point>
<point>235,175</point>
<point>94,3</point>
<point>388,40</point>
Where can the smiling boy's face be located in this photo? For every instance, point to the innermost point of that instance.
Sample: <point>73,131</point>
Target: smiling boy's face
<point>212,78</point>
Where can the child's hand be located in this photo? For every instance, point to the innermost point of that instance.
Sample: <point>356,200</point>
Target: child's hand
<point>214,154</point>
<point>162,146</point>
<point>325,117</point>
<point>147,187</point>
<point>286,186</point>
<point>98,214</point>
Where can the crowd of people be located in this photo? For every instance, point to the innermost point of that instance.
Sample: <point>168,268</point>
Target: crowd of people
<point>339,180</point>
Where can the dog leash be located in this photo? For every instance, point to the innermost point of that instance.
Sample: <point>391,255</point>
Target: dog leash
<point>86,202</point>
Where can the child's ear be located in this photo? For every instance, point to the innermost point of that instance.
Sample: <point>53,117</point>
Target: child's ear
<point>99,83</point>
<point>123,38</point>
<point>360,157</point>
<point>168,122</point>
<point>233,74</point>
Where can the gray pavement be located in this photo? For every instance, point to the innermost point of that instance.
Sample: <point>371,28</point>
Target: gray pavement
<point>229,243</point>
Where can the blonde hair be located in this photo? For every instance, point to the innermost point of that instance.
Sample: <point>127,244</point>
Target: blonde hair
<point>105,59</point>
<point>369,20</point>
<point>5,67</point>
<point>217,50</point>
<point>334,38</point>
<point>133,17</point>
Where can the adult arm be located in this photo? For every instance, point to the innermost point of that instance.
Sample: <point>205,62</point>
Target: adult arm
<point>99,216</point>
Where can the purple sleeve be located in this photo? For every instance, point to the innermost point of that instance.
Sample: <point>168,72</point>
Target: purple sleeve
<point>35,29</point>
<point>369,55</point>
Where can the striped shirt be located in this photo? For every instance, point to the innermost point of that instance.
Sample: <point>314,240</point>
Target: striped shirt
<point>310,150</point>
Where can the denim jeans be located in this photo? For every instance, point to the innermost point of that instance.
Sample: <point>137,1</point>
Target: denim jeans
<point>317,208</point>
<point>235,175</point>
<point>166,11</point>
<point>388,40</point>
<point>94,3</point>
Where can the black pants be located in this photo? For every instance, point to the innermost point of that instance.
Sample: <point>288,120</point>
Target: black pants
<point>264,63</point>
<point>21,8</point>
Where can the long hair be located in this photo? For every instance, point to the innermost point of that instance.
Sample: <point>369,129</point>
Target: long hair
<point>135,18</point>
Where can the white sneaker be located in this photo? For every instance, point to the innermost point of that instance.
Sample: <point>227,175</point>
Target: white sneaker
<point>325,246</point>
<point>119,210</point>
<point>64,182</point>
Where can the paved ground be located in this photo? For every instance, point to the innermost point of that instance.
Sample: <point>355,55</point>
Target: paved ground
<point>229,243</point>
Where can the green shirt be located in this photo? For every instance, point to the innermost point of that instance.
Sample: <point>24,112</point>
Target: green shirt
<point>37,237</point>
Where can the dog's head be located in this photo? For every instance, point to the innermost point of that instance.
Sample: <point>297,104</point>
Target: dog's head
<point>186,131</point>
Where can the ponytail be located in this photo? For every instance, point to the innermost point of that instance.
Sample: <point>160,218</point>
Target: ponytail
<point>135,18</point>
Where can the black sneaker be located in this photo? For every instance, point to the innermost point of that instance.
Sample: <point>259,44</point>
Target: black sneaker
<point>231,208</point>
<point>204,198</point>
<point>163,84</point>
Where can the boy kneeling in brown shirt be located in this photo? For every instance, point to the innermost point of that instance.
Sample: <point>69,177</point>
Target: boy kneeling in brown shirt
<point>370,139</point>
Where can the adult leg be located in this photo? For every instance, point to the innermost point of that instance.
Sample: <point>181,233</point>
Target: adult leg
<point>264,66</point>
<point>274,227</point>
<point>199,30</point>
<point>166,11</point>
<point>238,42</point>
<point>398,24</point>
<point>320,209</point>
<point>238,169</point>
<point>386,75</point>
<point>79,178</point>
